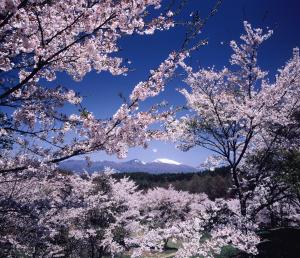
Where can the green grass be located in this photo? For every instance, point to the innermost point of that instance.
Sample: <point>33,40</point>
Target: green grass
<point>227,252</point>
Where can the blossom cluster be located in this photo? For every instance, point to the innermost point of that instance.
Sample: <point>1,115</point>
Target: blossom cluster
<point>41,38</point>
<point>66,214</point>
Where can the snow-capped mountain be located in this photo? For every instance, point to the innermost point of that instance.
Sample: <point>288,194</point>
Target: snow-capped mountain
<point>167,161</point>
<point>157,166</point>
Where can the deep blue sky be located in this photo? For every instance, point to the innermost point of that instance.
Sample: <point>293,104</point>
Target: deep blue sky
<point>147,52</point>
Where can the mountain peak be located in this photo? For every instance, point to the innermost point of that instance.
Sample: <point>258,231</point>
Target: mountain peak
<point>136,161</point>
<point>157,166</point>
<point>167,161</point>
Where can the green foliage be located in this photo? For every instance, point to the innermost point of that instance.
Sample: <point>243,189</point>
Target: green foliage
<point>290,166</point>
<point>227,252</point>
<point>279,243</point>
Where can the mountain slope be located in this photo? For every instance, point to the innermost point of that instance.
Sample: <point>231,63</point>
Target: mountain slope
<point>157,166</point>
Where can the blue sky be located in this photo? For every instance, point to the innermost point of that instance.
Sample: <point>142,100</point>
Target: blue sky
<point>101,91</point>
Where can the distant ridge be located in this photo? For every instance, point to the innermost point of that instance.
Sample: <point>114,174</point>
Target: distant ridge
<point>157,166</point>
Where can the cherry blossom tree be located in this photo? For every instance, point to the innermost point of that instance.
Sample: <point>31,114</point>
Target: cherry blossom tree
<point>238,113</point>
<point>95,215</point>
<point>199,226</point>
<point>41,38</point>
<point>67,215</point>
<point>57,214</point>
<point>38,39</point>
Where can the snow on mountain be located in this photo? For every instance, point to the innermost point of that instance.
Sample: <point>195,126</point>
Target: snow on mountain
<point>157,166</point>
<point>167,161</point>
<point>136,161</point>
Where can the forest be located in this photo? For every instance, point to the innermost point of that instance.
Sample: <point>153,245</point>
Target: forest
<point>216,184</point>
